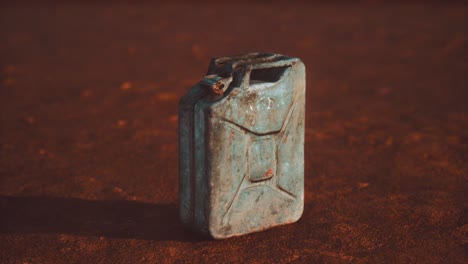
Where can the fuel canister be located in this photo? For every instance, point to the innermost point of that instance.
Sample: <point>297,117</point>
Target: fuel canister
<point>241,146</point>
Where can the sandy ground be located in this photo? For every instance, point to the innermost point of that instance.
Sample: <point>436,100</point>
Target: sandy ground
<point>88,142</point>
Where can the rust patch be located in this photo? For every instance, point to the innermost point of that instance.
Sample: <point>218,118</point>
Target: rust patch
<point>252,97</point>
<point>268,174</point>
<point>218,88</point>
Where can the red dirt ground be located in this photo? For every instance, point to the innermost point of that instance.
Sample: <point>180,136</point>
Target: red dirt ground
<point>88,140</point>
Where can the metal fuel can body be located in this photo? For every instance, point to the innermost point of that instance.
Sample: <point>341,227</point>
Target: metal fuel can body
<point>241,146</point>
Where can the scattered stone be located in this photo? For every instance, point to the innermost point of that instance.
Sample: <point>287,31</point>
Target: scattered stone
<point>173,118</point>
<point>9,81</point>
<point>121,123</point>
<point>86,93</point>
<point>166,96</point>
<point>118,189</point>
<point>31,120</point>
<point>126,86</point>
<point>363,185</point>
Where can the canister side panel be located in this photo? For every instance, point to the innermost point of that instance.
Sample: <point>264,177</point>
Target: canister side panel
<point>257,157</point>
<point>187,154</point>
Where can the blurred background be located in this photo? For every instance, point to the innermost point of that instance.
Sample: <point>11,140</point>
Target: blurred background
<point>88,99</point>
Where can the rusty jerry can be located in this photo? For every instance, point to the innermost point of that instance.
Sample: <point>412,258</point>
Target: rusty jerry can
<point>241,146</point>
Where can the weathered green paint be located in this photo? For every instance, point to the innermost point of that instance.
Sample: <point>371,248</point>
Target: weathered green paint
<point>241,146</point>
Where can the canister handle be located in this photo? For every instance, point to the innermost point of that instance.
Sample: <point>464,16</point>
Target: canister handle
<point>269,74</point>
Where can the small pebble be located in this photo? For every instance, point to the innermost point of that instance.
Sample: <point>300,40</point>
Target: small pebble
<point>166,96</point>
<point>8,81</point>
<point>363,184</point>
<point>86,93</point>
<point>31,120</point>
<point>121,123</point>
<point>198,52</point>
<point>118,189</point>
<point>10,69</point>
<point>173,118</point>
<point>126,86</point>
